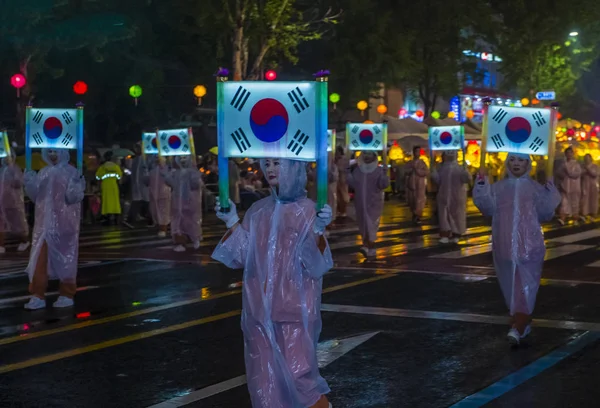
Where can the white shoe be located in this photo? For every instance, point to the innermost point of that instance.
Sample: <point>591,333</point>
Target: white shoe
<point>23,246</point>
<point>179,248</point>
<point>35,303</point>
<point>196,244</point>
<point>444,240</point>
<point>2,250</point>
<point>455,240</point>
<point>63,301</point>
<point>514,337</point>
<point>162,234</point>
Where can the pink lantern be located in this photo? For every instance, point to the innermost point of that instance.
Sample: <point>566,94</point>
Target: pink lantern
<point>18,81</point>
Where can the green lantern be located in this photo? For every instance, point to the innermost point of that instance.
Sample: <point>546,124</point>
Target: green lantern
<point>135,91</point>
<point>334,98</point>
<point>435,114</point>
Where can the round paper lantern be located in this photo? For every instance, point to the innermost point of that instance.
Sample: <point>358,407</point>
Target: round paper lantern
<point>435,114</point>
<point>135,91</point>
<point>368,122</point>
<point>570,132</point>
<point>419,113</point>
<point>334,98</point>
<point>199,91</point>
<point>402,112</point>
<point>18,81</point>
<point>382,109</point>
<point>470,114</point>
<point>524,101</point>
<point>271,75</point>
<point>451,115</point>
<point>395,152</point>
<point>362,105</point>
<point>80,87</point>
<point>559,116</point>
<point>535,101</point>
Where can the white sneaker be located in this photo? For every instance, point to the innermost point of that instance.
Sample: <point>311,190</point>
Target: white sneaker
<point>162,234</point>
<point>2,250</point>
<point>455,240</point>
<point>514,337</point>
<point>63,301</point>
<point>196,244</point>
<point>23,246</point>
<point>35,303</point>
<point>179,248</point>
<point>444,240</point>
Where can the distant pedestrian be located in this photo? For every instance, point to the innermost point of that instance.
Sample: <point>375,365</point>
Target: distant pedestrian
<point>12,204</point>
<point>416,173</point>
<point>570,187</point>
<point>589,188</point>
<point>109,174</point>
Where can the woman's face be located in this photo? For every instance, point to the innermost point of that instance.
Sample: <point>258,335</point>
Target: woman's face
<point>272,167</point>
<point>369,157</point>
<point>53,156</point>
<point>517,166</point>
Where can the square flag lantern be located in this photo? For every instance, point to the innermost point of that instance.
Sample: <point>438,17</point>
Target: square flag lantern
<point>4,145</point>
<point>518,130</point>
<point>53,128</point>
<point>446,137</point>
<point>363,136</point>
<point>149,143</point>
<point>331,140</point>
<point>174,142</point>
<point>268,119</point>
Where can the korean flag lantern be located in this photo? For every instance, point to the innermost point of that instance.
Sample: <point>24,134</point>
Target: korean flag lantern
<point>518,130</point>
<point>363,136</point>
<point>262,120</point>
<point>175,142</point>
<point>149,142</point>
<point>446,137</point>
<point>52,128</point>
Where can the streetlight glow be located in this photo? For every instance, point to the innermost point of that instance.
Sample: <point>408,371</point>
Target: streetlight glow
<point>573,34</point>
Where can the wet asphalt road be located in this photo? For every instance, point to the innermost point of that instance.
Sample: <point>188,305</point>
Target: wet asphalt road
<point>423,325</point>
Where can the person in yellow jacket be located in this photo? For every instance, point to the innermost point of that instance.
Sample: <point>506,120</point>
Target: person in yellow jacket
<point>109,175</point>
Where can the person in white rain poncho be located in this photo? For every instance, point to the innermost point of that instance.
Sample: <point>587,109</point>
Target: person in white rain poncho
<point>452,180</point>
<point>186,203</point>
<point>12,206</point>
<point>139,190</point>
<point>280,245</point>
<point>57,191</point>
<point>517,205</point>
<point>159,194</point>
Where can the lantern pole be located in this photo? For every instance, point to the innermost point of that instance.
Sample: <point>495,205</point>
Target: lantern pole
<point>223,162</point>
<point>322,78</point>
<point>552,141</point>
<point>484,133</point>
<point>80,107</point>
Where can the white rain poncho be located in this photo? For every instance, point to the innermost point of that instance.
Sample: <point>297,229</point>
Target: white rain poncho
<point>186,199</point>
<point>139,189</point>
<point>452,180</point>
<point>159,192</point>
<point>12,206</point>
<point>57,191</point>
<point>283,271</point>
<point>517,206</point>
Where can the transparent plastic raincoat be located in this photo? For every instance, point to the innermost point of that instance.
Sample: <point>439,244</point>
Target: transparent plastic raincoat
<point>332,193</point>
<point>12,205</point>
<point>452,179</point>
<point>517,206</point>
<point>186,199</point>
<point>343,198</point>
<point>368,182</point>
<point>283,271</point>
<point>139,189</point>
<point>589,190</point>
<point>416,172</point>
<point>570,187</point>
<point>159,191</point>
<point>57,191</point>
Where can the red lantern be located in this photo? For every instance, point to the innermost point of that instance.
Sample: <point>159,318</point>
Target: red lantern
<point>18,81</point>
<point>271,75</point>
<point>593,134</point>
<point>422,152</point>
<point>80,87</point>
<point>419,114</point>
<point>570,132</point>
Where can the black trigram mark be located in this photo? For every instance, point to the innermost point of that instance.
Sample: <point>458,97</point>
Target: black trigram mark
<point>241,141</point>
<point>298,142</point>
<point>539,119</point>
<point>67,139</point>
<point>377,130</point>
<point>37,138</point>
<point>185,148</point>
<point>536,144</point>
<point>163,137</point>
<point>498,142</point>
<point>455,143</point>
<point>435,133</point>
<point>355,129</point>
<point>37,118</point>
<point>499,116</point>
<point>354,143</point>
<point>240,98</point>
<point>376,144</point>
<point>298,100</point>
<point>67,118</point>
<point>436,144</point>
<point>165,149</point>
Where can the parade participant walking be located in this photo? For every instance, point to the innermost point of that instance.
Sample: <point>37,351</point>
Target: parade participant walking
<point>159,194</point>
<point>186,202</point>
<point>109,174</point>
<point>57,192</point>
<point>280,245</point>
<point>416,173</point>
<point>368,180</point>
<point>139,190</point>
<point>589,188</point>
<point>452,180</point>
<point>517,205</point>
<point>12,204</point>
<point>570,187</point>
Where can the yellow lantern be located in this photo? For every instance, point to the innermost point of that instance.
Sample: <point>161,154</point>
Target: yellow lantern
<point>451,115</point>
<point>200,92</point>
<point>395,152</point>
<point>524,101</point>
<point>362,106</point>
<point>382,109</point>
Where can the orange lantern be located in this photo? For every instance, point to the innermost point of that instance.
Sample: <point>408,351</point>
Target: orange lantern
<point>419,113</point>
<point>382,109</point>
<point>470,114</point>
